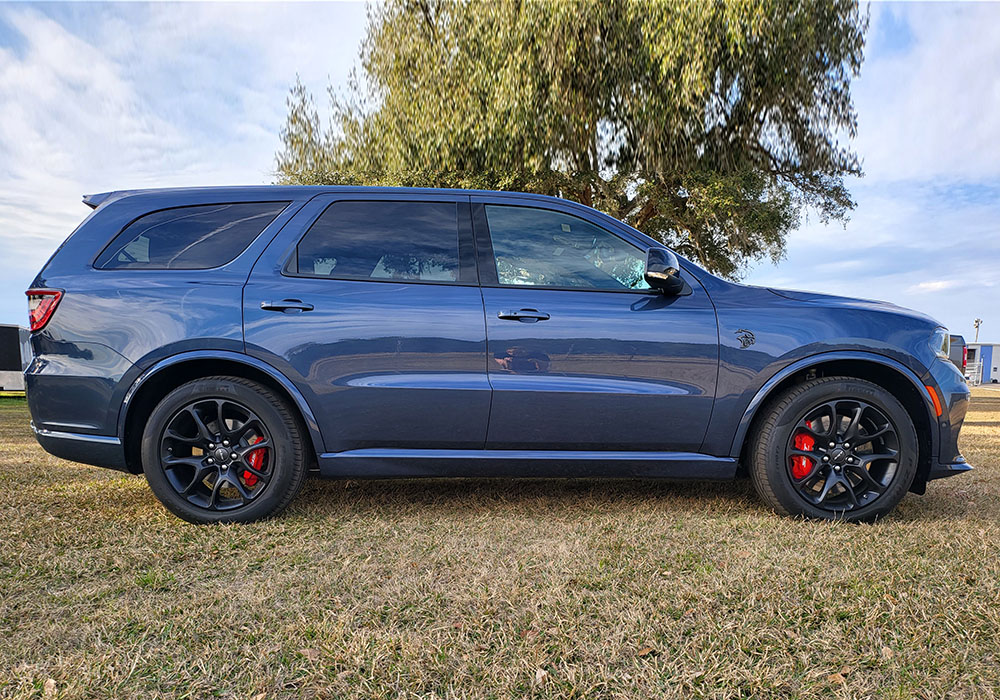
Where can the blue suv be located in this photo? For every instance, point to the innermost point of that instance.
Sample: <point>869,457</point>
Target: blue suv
<point>227,342</point>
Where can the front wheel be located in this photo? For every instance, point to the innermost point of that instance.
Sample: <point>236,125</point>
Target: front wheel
<point>223,449</point>
<point>834,448</point>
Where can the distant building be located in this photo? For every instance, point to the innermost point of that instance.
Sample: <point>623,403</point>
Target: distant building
<point>15,353</point>
<point>984,358</point>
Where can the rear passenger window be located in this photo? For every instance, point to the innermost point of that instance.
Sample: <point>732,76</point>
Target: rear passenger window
<point>189,238</point>
<point>380,240</point>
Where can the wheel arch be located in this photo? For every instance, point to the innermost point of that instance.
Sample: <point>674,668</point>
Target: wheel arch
<point>887,373</point>
<point>167,374</point>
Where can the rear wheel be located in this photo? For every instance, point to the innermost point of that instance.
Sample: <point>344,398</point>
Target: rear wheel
<point>834,448</point>
<point>223,449</point>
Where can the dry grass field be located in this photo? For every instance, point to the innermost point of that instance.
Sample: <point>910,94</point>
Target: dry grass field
<point>494,589</point>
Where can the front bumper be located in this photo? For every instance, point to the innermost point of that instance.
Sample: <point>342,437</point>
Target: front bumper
<point>940,471</point>
<point>97,450</point>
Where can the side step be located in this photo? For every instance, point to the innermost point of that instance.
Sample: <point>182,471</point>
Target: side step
<point>383,463</point>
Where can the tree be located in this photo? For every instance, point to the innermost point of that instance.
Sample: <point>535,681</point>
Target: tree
<point>711,126</point>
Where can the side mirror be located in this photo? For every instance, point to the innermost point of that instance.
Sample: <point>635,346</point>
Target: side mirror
<point>663,272</point>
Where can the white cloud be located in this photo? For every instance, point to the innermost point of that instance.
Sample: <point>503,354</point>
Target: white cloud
<point>926,232</point>
<point>932,110</point>
<point>932,286</point>
<point>103,97</point>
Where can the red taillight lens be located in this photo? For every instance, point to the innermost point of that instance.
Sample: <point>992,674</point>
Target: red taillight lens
<point>41,304</point>
<point>965,358</point>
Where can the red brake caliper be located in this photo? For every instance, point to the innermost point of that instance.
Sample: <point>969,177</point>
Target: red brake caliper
<point>801,465</point>
<point>256,460</point>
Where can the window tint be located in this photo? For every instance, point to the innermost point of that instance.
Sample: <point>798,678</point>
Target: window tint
<point>542,248</point>
<point>383,240</point>
<point>189,238</point>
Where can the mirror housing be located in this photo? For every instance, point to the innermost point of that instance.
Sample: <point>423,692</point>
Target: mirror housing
<point>663,272</point>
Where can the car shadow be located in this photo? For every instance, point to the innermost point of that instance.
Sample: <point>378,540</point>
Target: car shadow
<point>456,496</point>
<point>466,497</point>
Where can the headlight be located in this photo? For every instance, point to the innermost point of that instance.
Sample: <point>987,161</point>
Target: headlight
<point>941,343</point>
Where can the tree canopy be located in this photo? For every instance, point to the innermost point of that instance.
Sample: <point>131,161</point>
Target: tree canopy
<point>710,126</point>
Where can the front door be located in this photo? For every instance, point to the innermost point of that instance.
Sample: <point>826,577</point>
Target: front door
<point>370,306</point>
<point>582,354</point>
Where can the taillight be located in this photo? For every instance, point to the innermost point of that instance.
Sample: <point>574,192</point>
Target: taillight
<point>965,357</point>
<point>41,304</point>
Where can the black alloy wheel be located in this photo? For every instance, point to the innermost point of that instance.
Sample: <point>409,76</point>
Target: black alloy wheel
<point>217,454</point>
<point>835,448</point>
<point>843,454</point>
<point>224,449</point>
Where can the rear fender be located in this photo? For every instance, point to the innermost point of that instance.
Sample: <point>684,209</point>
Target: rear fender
<point>300,402</point>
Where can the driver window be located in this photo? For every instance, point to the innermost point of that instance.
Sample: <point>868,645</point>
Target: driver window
<point>544,248</point>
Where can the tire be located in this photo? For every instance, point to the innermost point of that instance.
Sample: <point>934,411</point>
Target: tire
<point>254,475</point>
<point>792,463</point>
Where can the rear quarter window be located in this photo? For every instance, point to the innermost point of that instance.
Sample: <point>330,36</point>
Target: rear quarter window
<point>189,238</point>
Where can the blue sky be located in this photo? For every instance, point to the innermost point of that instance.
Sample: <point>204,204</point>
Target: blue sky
<point>100,97</point>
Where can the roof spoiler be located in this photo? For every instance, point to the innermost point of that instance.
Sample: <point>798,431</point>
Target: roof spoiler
<point>95,200</point>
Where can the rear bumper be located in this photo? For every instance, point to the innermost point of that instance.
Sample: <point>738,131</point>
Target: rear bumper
<point>97,450</point>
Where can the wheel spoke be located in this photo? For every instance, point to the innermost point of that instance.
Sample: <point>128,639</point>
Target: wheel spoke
<point>244,451</point>
<point>816,468</point>
<point>863,438</point>
<point>868,480</point>
<point>221,421</point>
<point>241,489</point>
<point>174,435</point>
<point>203,430</point>
<point>213,500</point>
<point>199,476</point>
<point>830,482</point>
<point>829,409</point>
<point>174,462</point>
<point>852,427</point>
<point>849,490</point>
<point>868,459</point>
<point>253,423</point>
<point>263,476</point>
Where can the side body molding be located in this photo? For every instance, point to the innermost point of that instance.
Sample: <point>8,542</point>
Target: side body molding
<point>805,363</point>
<point>307,415</point>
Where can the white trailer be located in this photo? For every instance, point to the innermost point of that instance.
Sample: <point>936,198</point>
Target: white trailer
<point>15,353</point>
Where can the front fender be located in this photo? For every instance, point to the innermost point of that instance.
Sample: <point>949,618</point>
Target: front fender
<point>805,363</point>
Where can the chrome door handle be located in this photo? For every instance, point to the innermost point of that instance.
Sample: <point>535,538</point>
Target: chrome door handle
<point>286,305</point>
<point>524,315</point>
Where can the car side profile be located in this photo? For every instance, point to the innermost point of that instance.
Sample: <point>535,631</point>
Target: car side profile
<point>227,342</point>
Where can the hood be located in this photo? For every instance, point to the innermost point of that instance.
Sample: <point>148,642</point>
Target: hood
<point>829,300</point>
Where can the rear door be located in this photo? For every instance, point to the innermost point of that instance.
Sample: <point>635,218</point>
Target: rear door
<point>582,354</point>
<point>370,305</point>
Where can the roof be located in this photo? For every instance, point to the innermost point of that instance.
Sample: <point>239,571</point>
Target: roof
<point>296,191</point>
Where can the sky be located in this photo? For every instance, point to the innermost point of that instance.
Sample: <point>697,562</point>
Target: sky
<point>98,97</point>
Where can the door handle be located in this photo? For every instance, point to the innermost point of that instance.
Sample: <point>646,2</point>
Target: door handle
<point>524,315</point>
<point>288,306</point>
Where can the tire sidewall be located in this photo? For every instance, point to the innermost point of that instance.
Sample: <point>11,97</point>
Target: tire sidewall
<point>286,456</point>
<point>776,467</point>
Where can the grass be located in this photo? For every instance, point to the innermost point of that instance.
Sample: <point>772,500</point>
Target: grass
<point>495,589</point>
